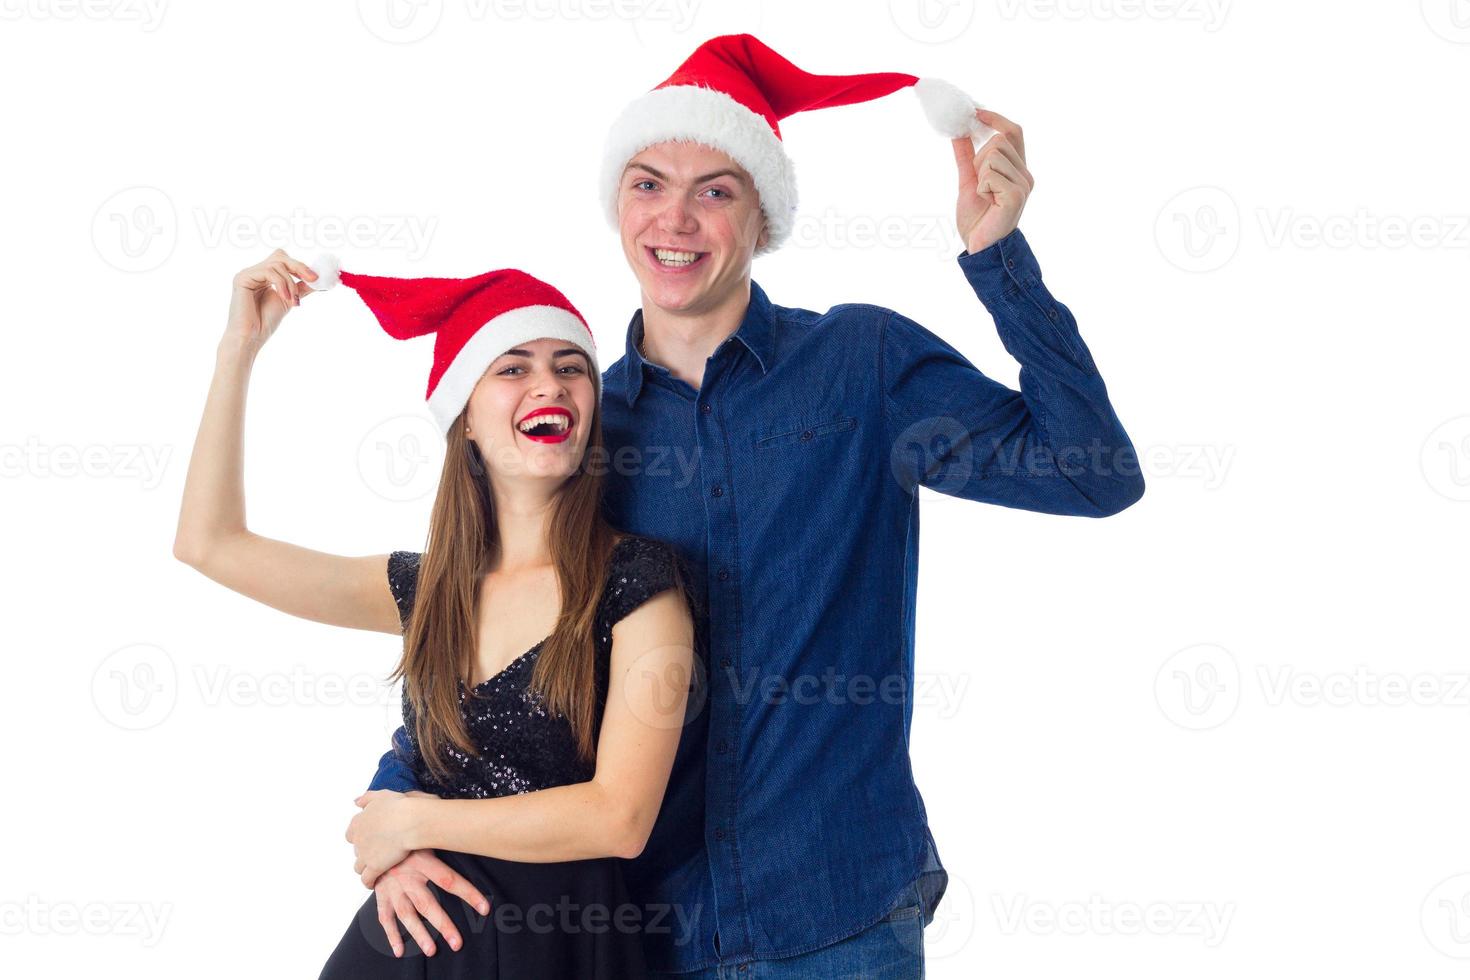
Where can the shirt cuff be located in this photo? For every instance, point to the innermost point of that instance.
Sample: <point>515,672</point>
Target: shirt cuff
<point>1006,264</point>
<point>393,771</point>
<point>394,778</point>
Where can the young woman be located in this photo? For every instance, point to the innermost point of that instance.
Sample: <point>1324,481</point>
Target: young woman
<point>546,658</point>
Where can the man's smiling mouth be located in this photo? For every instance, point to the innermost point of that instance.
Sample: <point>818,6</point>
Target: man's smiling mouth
<point>674,258</point>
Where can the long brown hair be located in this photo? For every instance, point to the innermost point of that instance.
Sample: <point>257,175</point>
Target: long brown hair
<point>463,546</point>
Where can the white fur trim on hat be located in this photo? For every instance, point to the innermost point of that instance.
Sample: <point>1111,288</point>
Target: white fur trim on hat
<point>518,326</point>
<point>708,116</point>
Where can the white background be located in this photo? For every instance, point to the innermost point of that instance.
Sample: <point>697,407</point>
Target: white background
<point>1237,710</point>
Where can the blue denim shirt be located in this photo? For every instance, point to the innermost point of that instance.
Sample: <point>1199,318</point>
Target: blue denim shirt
<point>789,481</point>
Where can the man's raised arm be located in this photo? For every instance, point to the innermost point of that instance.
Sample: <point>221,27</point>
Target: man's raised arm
<point>1056,445</point>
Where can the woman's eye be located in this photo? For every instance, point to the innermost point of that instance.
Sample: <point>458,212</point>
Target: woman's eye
<point>575,368</point>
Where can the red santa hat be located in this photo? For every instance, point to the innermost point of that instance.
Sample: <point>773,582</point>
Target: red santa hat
<point>473,321</point>
<point>732,92</point>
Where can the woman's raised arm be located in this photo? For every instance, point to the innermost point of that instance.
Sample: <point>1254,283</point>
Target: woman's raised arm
<point>212,535</point>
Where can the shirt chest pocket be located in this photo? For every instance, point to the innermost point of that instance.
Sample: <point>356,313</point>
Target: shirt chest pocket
<point>816,433</point>
<point>804,469</point>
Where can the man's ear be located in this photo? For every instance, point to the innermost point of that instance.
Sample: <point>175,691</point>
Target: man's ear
<point>765,233</point>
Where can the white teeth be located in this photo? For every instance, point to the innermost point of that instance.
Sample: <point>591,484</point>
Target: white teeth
<point>670,257</point>
<point>560,421</point>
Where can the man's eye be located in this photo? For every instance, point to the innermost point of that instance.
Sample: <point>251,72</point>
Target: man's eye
<point>717,190</point>
<point>644,185</point>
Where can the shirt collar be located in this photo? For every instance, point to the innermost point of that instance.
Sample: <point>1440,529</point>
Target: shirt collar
<point>756,332</point>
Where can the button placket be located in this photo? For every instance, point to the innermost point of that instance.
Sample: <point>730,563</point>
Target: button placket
<point>724,717</point>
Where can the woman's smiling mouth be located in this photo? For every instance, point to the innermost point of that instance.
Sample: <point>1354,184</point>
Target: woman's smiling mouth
<point>546,425</point>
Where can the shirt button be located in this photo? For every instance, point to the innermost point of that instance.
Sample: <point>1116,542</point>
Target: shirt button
<point>1010,263</point>
<point>706,409</point>
<point>718,491</point>
<point>725,662</point>
<point>1052,314</point>
<point>719,833</point>
<point>723,575</point>
<point>806,435</point>
<point>722,747</point>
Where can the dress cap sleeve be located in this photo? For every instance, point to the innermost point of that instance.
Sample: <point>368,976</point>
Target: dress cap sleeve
<point>403,577</point>
<point>641,568</point>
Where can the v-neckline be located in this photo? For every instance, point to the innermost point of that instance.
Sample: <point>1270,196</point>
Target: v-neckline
<point>504,670</point>
<point>496,676</point>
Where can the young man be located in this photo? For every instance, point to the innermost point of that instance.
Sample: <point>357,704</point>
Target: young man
<point>780,450</point>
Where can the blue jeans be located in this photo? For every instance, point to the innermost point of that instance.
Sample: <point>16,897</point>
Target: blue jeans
<point>890,949</point>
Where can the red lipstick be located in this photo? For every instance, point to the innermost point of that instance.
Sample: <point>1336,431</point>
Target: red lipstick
<point>548,436</point>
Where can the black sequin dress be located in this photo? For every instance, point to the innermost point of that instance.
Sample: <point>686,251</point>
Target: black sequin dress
<point>569,919</point>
